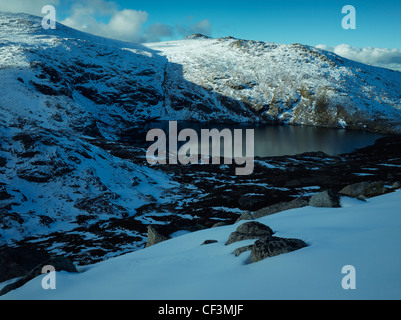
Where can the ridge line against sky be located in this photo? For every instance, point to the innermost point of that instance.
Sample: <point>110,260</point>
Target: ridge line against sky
<point>375,41</point>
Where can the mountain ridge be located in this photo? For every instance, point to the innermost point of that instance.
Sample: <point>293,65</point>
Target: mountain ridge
<point>291,84</point>
<point>198,79</point>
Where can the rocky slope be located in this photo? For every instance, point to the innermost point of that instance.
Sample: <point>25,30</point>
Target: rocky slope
<point>60,91</point>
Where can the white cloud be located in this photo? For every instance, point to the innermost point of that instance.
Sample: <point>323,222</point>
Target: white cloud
<point>105,18</point>
<point>381,57</point>
<point>32,6</point>
<point>202,27</point>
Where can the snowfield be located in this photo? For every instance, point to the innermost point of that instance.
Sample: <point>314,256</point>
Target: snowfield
<point>366,235</point>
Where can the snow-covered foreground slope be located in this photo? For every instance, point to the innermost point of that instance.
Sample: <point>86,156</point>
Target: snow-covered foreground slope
<point>366,235</point>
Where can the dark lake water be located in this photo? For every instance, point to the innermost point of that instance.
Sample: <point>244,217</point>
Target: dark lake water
<point>277,140</point>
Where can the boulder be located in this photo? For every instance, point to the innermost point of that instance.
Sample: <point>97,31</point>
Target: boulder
<point>396,185</point>
<point>325,199</point>
<point>367,189</point>
<point>155,237</point>
<point>245,216</point>
<point>272,246</point>
<point>219,224</point>
<point>60,263</point>
<point>16,262</point>
<point>3,162</point>
<point>249,230</point>
<point>208,242</point>
<point>279,207</point>
<point>237,252</point>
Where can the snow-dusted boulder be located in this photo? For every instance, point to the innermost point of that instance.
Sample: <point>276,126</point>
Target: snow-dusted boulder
<point>325,199</point>
<point>249,230</point>
<point>267,247</point>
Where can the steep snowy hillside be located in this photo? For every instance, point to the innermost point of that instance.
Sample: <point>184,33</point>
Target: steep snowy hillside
<point>293,84</point>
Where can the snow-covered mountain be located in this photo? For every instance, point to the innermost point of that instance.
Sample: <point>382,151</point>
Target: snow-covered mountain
<point>66,96</point>
<point>110,84</point>
<point>294,84</point>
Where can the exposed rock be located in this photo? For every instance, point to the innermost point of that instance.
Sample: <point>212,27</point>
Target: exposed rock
<point>245,216</point>
<point>3,162</point>
<point>237,252</point>
<point>396,185</point>
<point>272,246</point>
<point>247,202</point>
<point>102,203</point>
<point>34,175</point>
<point>249,230</point>
<point>219,224</point>
<point>208,242</point>
<point>155,237</point>
<point>16,262</point>
<point>197,36</point>
<point>361,197</point>
<point>325,199</point>
<point>4,195</point>
<point>26,139</point>
<point>279,207</point>
<point>367,189</point>
<point>60,263</point>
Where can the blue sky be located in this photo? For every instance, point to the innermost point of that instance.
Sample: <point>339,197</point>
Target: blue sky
<point>288,21</point>
<point>283,21</point>
<point>310,22</point>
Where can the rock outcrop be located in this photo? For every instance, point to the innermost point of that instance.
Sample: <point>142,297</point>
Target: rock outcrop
<point>325,199</point>
<point>266,245</point>
<point>59,263</point>
<point>155,236</point>
<point>279,207</point>
<point>249,230</point>
<point>364,189</point>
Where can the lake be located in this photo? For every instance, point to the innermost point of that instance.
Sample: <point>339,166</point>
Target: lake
<point>275,140</point>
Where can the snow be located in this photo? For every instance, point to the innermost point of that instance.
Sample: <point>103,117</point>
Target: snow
<point>284,78</point>
<point>364,234</point>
